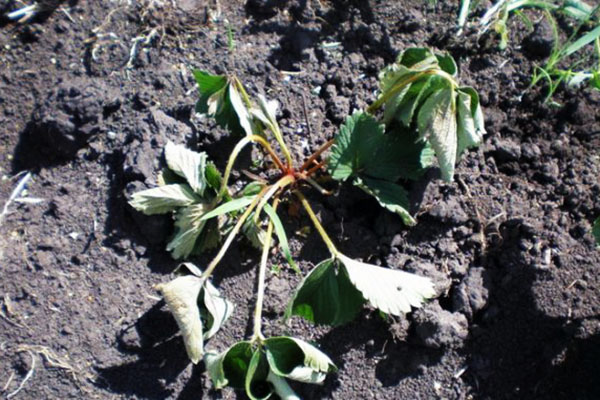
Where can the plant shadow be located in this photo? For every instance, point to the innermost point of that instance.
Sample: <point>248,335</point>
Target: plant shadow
<point>160,358</point>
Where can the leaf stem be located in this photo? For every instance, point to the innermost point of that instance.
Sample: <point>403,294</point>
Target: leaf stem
<point>316,154</point>
<point>403,83</point>
<point>315,220</point>
<point>275,129</point>
<point>281,183</point>
<point>257,335</point>
<point>236,229</point>
<point>236,151</point>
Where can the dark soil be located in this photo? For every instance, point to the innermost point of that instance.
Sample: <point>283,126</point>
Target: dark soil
<point>508,244</point>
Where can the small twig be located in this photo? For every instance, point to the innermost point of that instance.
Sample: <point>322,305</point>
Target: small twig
<point>8,382</point>
<point>27,377</point>
<point>15,193</point>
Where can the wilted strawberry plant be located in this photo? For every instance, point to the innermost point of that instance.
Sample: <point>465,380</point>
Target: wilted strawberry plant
<point>426,115</point>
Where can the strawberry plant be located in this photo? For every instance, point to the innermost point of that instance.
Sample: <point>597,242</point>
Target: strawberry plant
<point>426,115</point>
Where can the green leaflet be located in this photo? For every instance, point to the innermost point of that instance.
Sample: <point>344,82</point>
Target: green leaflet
<point>188,164</point>
<point>596,230</point>
<point>391,291</point>
<point>326,296</point>
<point>188,226</point>
<point>220,99</point>
<point>437,123</point>
<point>297,360</point>
<point>389,195</point>
<point>257,387</point>
<point>163,199</point>
<point>231,366</point>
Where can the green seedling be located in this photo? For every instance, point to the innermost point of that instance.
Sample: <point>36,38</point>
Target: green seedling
<point>426,115</point>
<point>596,230</point>
<point>585,69</point>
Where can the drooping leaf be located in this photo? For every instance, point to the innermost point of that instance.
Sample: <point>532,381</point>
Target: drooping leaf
<point>596,230</point>
<point>281,387</point>
<point>181,296</point>
<point>391,291</point>
<point>231,366</point>
<point>476,111</point>
<point>467,135</point>
<point>257,386</point>
<point>240,109</point>
<point>208,85</point>
<point>389,195</point>
<point>188,164</point>
<point>218,309</point>
<point>163,199</point>
<point>437,124</point>
<point>267,111</point>
<point>188,226</point>
<point>417,58</point>
<point>326,296</point>
<point>297,360</point>
<point>281,236</point>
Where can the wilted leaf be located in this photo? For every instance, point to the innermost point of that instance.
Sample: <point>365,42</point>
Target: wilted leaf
<point>326,296</point>
<point>181,295</point>
<point>163,199</point>
<point>218,309</point>
<point>437,123</point>
<point>391,291</point>
<point>188,164</point>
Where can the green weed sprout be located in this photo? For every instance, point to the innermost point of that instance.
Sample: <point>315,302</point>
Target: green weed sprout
<point>426,115</point>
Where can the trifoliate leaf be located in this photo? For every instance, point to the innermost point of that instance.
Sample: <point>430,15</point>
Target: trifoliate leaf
<point>231,366</point>
<point>391,291</point>
<point>216,101</point>
<point>297,360</point>
<point>188,226</point>
<point>389,195</point>
<point>281,236</point>
<point>181,296</point>
<point>596,230</point>
<point>218,309</point>
<point>437,124</point>
<point>188,164</point>
<point>326,296</point>
<point>257,386</point>
<point>163,199</point>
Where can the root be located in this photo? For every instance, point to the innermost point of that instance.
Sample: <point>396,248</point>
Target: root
<point>24,381</point>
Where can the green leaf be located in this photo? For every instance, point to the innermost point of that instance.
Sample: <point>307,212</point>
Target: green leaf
<point>447,63</point>
<point>280,232</point>
<point>216,101</point>
<point>297,360</point>
<point>240,109</point>
<point>253,188</point>
<point>467,134</point>
<point>188,164</point>
<point>581,42</point>
<point>181,296</point>
<point>208,85</point>
<point>476,111</point>
<point>391,291</point>
<point>231,366</point>
<point>417,58</point>
<point>213,176</point>
<point>437,123</point>
<point>163,199</point>
<point>326,296</point>
<point>389,195</point>
<point>596,230</point>
<point>257,386</point>
<point>218,309</point>
<point>188,226</point>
